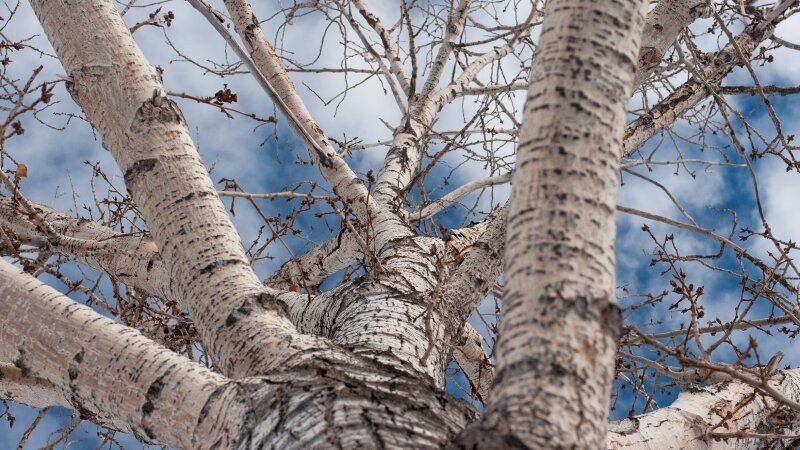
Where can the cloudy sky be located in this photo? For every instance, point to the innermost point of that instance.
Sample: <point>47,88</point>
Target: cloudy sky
<point>267,158</point>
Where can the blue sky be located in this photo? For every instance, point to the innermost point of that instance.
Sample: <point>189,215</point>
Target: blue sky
<point>262,163</point>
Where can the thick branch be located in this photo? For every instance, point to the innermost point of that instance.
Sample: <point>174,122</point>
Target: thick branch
<point>133,259</point>
<point>455,195</point>
<point>478,271</point>
<point>689,422</point>
<point>471,358</point>
<point>273,76</point>
<point>122,96</point>
<point>663,25</point>
<point>318,263</point>
<point>109,371</point>
<point>32,391</point>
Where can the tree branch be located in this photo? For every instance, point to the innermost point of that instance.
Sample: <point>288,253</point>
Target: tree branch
<point>404,154</point>
<point>272,75</point>
<point>318,263</point>
<point>31,391</point>
<point>690,422</point>
<point>137,385</point>
<point>455,195</point>
<point>471,358</point>
<point>685,97</point>
<point>241,325</point>
<point>395,65</point>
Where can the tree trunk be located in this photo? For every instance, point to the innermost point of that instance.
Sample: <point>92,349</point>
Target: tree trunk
<point>560,323</point>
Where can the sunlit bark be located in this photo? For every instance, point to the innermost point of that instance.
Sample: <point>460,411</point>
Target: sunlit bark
<point>146,133</point>
<point>560,323</point>
<point>363,364</point>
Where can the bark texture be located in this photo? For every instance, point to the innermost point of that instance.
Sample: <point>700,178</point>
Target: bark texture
<point>560,323</point>
<point>146,133</point>
<point>109,372</point>
<point>690,422</point>
<point>372,376</point>
<point>662,27</point>
<point>115,376</point>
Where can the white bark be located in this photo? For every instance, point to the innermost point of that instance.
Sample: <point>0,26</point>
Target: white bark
<point>371,379</point>
<point>133,259</point>
<point>391,54</point>
<point>116,376</point>
<point>453,196</point>
<point>335,170</point>
<point>696,89</point>
<point>107,371</point>
<point>476,274</point>
<point>136,261</point>
<point>146,133</point>
<point>404,154</point>
<point>662,27</point>
<point>688,423</point>
<point>476,365</point>
<point>32,391</point>
<point>314,266</point>
<point>560,323</point>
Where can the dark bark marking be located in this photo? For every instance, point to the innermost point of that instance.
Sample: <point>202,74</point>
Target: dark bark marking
<point>157,109</point>
<point>138,168</point>
<point>72,370</point>
<point>153,392</point>
<point>219,264</point>
<point>19,363</point>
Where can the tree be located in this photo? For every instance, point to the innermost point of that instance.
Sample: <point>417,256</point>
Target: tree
<point>348,345</point>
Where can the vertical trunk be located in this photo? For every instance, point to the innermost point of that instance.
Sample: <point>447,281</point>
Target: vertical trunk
<point>560,321</point>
